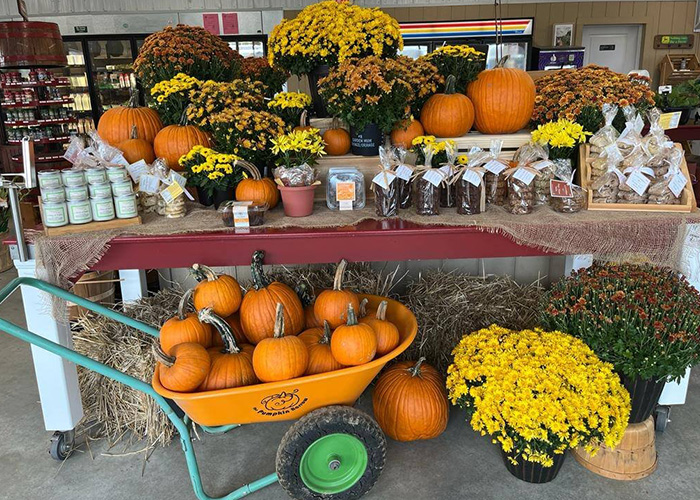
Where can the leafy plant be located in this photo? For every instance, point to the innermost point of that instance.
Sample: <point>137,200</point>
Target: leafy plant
<point>684,95</point>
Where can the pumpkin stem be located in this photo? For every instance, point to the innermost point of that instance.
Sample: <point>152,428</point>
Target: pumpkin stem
<point>163,358</point>
<point>381,310</point>
<point>134,132</point>
<point>279,321</point>
<point>202,272</point>
<point>306,297</point>
<point>450,82</point>
<point>326,337</point>
<point>415,369</point>
<point>502,61</point>
<point>250,168</point>
<point>339,273</point>
<point>206,315</point>
<point>183,116</point>
<point>352,317</point>
<point>260,281</point>
<point>134,98</point>
<point>363,307</point>
<point>335,123</point>
<point>304,118</point>
<point>184,302</point>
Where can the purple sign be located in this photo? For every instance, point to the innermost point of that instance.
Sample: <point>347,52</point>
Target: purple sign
<point>558,58</point>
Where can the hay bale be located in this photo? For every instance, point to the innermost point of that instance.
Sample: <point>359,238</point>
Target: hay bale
<point>449,305</point>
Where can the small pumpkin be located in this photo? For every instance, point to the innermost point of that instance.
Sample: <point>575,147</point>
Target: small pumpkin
<point>280,357</point>
<point>386,331</point>
<point>220,292</point>
<point>450,114</point>
<point>174,141</point>
<point>185,368</point>
<point>231,366</point>
<point>353,343</point>
<point>331,305</point>
<point>116,123</point>
<point>184,327</point>
<point>503,98</point>
<point>405,131</point>
<point>258,309</point>
<point>318,341</point>
<point>410,401</point>
<point>303,121</point>
<point>257,189</point>
<point>337,139</point>
<point>307,301</point>
<point>135,149</point>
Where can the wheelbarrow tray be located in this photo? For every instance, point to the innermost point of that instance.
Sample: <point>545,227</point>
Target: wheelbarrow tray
<point>292,399</point>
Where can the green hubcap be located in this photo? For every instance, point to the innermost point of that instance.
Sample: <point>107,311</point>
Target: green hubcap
<point>333,463</point>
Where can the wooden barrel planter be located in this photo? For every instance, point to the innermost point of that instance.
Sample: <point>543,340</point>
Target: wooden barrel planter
<point>634,458</point>
<point>95,286</point>
<point>31,44</point>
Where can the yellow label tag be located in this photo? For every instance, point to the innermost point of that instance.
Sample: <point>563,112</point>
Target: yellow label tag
<point>171,192</point>
<point>670,120</point>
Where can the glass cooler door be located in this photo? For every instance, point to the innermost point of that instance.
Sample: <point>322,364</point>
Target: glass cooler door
<point>112,73</point>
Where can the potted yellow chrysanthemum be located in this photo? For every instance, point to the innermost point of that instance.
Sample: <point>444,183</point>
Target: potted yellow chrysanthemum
<point>214,174</point>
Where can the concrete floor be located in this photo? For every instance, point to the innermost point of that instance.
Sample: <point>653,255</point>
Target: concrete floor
<point>458,464</point>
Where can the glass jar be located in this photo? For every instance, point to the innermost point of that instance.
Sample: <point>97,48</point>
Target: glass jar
<point>55,214</point>
<point>345,189</point>
<point>122,188</point>
<point>57,195</point>
<point>96,175</point>
<point>126,207</point>
<point>117,173</point>
<point>73,177</point>
<point>76,193</point>
<point>79,212</point>
<point>49,179</point>
<point>101,190</point>
<point>102,209</point>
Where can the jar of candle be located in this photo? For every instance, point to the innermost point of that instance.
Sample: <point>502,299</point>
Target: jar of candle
<point>117,173</point>
<point>96,175</point>
<point>122,188</point>
<point>49,179</point>
<point>73,177</point>
<point>79,212</point>
<point>102,209</point>
<point>101,190</point>
<point>76,193</point>
<point>55,214</point>
<point>56,195</point>
<point>126,207</point>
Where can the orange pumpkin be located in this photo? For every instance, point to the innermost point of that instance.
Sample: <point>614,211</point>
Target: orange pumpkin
<point>331,305</point>
<point>450,114</point>
<point>222,293</point>
<point>318,341</point>
<point>410,401</point>
<point>135,149</point>
<point>230,365</point>
<point>353,343</point>
<point>337,140</point>
<point>280,357</point>
<point>255,188</point>
<point>404,132</point>
<point>303,121</point>
<point>386,331</point>
<point>176,140</point>
<point>185,327</point>
<point>115,124</point>
<point>260,303</point>
<point>185,368</point>
<point>310,319</point>
<point>503,99</point>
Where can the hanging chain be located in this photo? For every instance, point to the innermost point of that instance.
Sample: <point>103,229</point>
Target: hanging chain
<point>22,8</point>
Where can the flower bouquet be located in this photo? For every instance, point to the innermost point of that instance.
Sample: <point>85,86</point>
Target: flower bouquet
<point>289,106</point>
<point>462,61</point>
<point>428,144</point>
<point>258,69</point>
<point>214,97</point>
<point>214,174</point>
<point>562,137</point>
<point>645,320</point>
<point>171,97</point>
<point>537,394</point>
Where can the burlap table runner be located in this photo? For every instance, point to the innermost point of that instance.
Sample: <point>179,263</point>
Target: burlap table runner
<point>655,237</point>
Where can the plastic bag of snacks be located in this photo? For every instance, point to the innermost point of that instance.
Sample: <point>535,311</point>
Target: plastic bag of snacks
<point>471,191</point>
<point>668,188</point>
<point>547,172</point>
<point>448,190</point>
<point>404,175</point>
<point>638,178</point>
<point>303,175</point>
<point>428,181</point>
<point>385,187</point>
<point>631,137</point>
<point>494,179</point>
<point>656,142</point>
<point>521,186</point>
<point>565,196</point>
<point>607,134</point>
<point>606,186</point>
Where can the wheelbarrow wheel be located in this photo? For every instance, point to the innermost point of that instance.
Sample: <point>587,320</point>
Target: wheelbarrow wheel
<point>337,453</point>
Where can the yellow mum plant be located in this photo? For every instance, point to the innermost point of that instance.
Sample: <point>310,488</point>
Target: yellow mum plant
<point>289,106</point>
<point>211,170</point>
<point>171,97</point>
<point>562,137</point>
<point>214,97</point>
<point>462,61</point>
<point>537,393</point>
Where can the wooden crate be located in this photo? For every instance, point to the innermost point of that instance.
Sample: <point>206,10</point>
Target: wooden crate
<point>670,72</point>
<point>90,226</point>
<point>688,203</point>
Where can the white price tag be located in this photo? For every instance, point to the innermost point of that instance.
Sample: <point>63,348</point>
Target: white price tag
<point>524,176</point>
<point>542,164</point>
<point>136,170</point>
<point>638,182</point>
<point>495,167</point>
<point>404,172</point>
<point>677,184</point>
<point>182,181</point>
<point>149,183</point>
<point>345,205</point>
<point>384,179</point>
<point>120,160</point>
<point>472,177</point>
<point>240,213</point>
<point>434,176</point>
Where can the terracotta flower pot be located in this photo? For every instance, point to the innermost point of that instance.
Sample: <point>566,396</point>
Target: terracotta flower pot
<point>297,201</point>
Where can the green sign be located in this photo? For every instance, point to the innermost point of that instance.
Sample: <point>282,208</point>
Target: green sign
<point>675,39</point>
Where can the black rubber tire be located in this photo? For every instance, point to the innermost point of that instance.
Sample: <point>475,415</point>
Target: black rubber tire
<point>60,448</point>
<point>319,423</point>
<point>662,417</point>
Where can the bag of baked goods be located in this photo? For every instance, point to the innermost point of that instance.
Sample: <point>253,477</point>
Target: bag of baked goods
<point>607,134</point>
<point>428,181</point>
<point>520,178</point>
<point>668,188</point>
<point>638,177</point>
<point>447,190</point>
<point>565,196</point>
<point>631,137</point>
<point>494,178</point>
<point>606,185</point>
<point>404,177</point>
<point>469,181</point>
<point>547,172</point>
<point>384,185</point>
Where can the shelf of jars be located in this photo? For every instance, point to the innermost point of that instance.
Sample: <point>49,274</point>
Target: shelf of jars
<point>35,104</point>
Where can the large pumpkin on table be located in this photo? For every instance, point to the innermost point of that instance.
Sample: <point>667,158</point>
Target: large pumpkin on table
<point>115,124</point>
<point>337,139</point>
<point>256,189</point>
<point>503,99</point>
<point>176,140</point>
<point>405,131</point>
<point>450,114</point>
<point>135,148</point>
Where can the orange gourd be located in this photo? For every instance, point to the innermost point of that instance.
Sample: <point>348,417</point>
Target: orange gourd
<point>220,292</point>
<point>231,366</point>
<point>450,114</point>
<point>353,343</point>
<point>115,124</point>
<point>185,368</point>
<point>503,99</point>
<point>280,357</point>
<point>184,327</point>
<point>410,401</point>
<point>135,149</point>
<point>318,341</point>
<point>404,132</point>
<point>337,140</point>
<point>303,121</point>
<point>258,310</point>
<point>386,331</point>
<point>174,141</point>
<point>255,188</point>
<point>331,305</point>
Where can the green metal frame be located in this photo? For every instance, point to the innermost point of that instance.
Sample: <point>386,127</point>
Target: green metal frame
<point>182,424</point>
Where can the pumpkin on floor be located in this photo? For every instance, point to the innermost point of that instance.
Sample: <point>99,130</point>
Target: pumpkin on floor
<point>258,309</point>
<point>386,331</point>
<point>231,366</point>
<point>280,357</point>
<point>318,341</point>
<point>410,401</point>
<point>503,99</point>
<point>184,327</point>
<point>332,305</point>
<point>404,132</point>
<point>135,148</point>
<point>220,292</point>
<point>174,141</point>
<point>353,343</point>
<point>116,123</point>
<point>185,368</point>
<point>450,114</point>
<point>255,188</point>
<point>337,139</point>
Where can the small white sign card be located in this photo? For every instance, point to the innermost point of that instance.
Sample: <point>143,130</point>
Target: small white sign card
<point>524,176</point>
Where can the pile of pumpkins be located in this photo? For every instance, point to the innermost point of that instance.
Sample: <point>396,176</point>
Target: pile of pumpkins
<point>267,335</point>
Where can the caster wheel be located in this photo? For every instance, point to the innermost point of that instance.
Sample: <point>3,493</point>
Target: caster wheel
<point>61,445</point>
<point>337,452</point>
<point>662,417</point>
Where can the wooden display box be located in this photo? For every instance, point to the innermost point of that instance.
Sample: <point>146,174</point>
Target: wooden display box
<point>670,65</point>
<point>90,226</point>
<point>688,203</point>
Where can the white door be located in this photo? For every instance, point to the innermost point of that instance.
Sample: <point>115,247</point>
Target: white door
<point>617,46</point>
